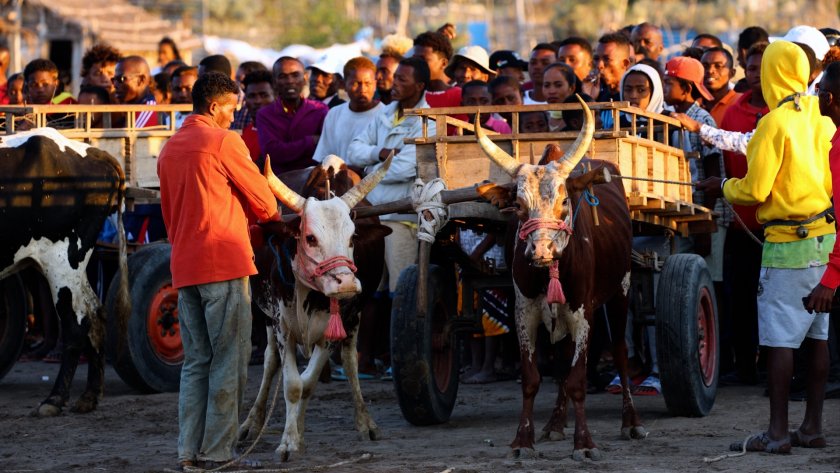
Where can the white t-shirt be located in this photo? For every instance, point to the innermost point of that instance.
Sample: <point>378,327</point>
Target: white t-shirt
<point>340,127</point>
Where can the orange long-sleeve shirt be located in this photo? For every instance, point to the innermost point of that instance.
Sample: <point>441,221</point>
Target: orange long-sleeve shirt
<point>206,179</point>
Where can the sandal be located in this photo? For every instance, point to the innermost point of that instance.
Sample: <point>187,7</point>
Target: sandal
<point>762,443</point>
<point>799,439</point>
<point>187,466</point>
<point>615,385</point>
<point>651,386</point>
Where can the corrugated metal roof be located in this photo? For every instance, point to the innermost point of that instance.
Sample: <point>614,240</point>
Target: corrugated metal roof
<point>121,24</point>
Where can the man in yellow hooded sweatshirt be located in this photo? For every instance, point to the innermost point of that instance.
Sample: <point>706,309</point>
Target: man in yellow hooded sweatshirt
<point>788,178</point>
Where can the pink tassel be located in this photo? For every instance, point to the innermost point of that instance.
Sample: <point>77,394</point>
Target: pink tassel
<point>335,327</point>
<point>555,289</point>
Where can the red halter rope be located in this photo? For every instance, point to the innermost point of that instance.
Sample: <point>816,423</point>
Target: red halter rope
<point>335,328</point>
<point>555,289</point>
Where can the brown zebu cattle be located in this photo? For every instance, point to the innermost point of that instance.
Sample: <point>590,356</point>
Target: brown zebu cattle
<point>300,298</point>
<point>564,267</point>
<point>55,195</point>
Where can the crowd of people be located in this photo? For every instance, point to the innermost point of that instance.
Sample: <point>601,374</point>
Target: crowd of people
<point>757,122</point>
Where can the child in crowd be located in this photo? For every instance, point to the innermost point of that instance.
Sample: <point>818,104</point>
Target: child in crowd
<point>533,122</point>
<point>476,94</point>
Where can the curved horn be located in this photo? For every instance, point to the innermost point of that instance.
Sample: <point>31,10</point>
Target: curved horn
<point>286,196</point>
<point>575,152</point>
<point>360,190</point>
<point>498,155</point>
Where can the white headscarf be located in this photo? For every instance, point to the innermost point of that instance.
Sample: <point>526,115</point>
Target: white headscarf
<point>657,99</point>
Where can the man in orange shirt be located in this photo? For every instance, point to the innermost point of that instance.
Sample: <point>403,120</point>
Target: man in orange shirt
<point>719,68</point>
<point>206,177</point>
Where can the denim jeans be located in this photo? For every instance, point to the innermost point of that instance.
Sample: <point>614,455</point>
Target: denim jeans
<point>215,321</point>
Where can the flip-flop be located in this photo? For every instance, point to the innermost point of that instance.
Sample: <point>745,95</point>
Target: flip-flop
<point>799,439</point>
<point>762,442</point>
<point>651,386</point>
<point>615,386</point>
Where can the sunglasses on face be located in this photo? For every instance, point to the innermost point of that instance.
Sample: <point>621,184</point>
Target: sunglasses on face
<point>121,79</point>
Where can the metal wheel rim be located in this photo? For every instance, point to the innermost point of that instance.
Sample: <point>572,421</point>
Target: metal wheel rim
<point>706,336</point>
<point>163,333</point>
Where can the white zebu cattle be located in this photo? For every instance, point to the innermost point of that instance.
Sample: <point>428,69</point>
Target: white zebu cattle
<point>309,315</point>
<point>55,194</point>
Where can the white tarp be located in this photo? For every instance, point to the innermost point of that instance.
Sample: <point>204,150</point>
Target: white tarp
<point>241,51</point>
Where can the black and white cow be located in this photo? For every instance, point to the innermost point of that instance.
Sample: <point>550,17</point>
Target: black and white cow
<point>311,288</point>
<point>55,195</point>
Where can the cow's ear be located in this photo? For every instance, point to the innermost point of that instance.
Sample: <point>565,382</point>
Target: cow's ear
<point>597,176</point>
<point>289,229</point>
<point>371,232</point>
<point>499,196</point>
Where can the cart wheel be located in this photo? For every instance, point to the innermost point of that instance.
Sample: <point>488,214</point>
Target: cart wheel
<point>423,355</point>
<point>12,322</point>
<point>687,336</point>
<point>148,355</point>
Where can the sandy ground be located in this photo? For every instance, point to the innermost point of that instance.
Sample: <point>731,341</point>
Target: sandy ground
<point>138,433</point>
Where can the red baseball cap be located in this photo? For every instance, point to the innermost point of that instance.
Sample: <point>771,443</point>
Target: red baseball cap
<point>690,69</point>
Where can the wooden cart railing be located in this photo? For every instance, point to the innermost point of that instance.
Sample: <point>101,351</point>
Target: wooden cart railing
<point>641,150</point>
<point>136,149</point>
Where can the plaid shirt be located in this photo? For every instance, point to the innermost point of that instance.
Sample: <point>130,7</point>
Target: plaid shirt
<point>242,118</point>
<point>692,142</point>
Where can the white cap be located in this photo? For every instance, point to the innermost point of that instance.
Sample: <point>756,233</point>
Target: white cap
<point>325,65</point>
<point>810,36</point>
<point>476,54</point>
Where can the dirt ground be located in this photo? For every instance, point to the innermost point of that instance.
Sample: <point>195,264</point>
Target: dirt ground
<point>138,433</point>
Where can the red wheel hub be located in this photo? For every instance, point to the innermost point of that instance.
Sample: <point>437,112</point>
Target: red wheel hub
<point>162,325</point>
<point>706,336</point>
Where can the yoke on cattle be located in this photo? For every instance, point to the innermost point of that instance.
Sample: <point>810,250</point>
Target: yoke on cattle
<point>426,320</point>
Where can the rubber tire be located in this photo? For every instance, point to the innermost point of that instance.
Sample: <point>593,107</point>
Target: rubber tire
<point>684,277</point>
<point>12,322</point>
<point>130,352</point>
<point>421,400</point>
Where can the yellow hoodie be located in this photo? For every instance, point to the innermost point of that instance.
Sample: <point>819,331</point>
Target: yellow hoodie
<point>787,158</point>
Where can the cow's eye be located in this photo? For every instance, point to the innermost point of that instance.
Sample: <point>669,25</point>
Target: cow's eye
<point>311,240</point>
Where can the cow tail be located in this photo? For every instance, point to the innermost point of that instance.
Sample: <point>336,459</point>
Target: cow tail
<point>122,305</point>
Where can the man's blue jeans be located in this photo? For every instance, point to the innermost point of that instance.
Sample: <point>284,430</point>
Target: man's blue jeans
<point>215,321</point>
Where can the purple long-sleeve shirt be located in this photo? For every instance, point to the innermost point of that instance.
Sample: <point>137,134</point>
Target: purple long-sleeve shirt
<point>288,136</point>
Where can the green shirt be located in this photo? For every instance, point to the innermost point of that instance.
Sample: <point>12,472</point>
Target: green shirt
<point>799,254</point>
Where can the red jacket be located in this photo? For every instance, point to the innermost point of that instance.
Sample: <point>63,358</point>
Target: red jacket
<point>743,117</point>
<point>831,276</point>
<point>206,179</point>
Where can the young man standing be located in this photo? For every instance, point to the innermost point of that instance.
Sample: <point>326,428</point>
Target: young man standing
<point>436,50</point>
<point>719,68</point>
<point>612,60</point>
<point>181,84</point>
<point>792,206</point>
<point>290,127</point>
<point>259,93</point>
<point>386,66</point>
<point>542,56</point>
<point>577,52</point>
<point>647,41</point>
<point>383,136</point>
<point>206,179</point>
<point>348,120</point>
<point>324,82</point>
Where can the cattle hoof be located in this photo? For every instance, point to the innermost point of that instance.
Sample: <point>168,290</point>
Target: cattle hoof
<point>284,456</point>
<point>552,436</point>
<point>372,434</point>
<point>86,403</point>
<point>46,410</point>
<point>637,432</point>
<point>584,453</point>
<point>524,453</point>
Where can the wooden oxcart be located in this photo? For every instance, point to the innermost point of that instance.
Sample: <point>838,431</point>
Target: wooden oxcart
<point>148,355</point>
<point>426,320</point>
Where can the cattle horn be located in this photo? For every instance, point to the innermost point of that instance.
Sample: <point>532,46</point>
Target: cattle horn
<point>578,149</point>
<point>498,155</point>
<point>360,190</point>
<point>286,196</point>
